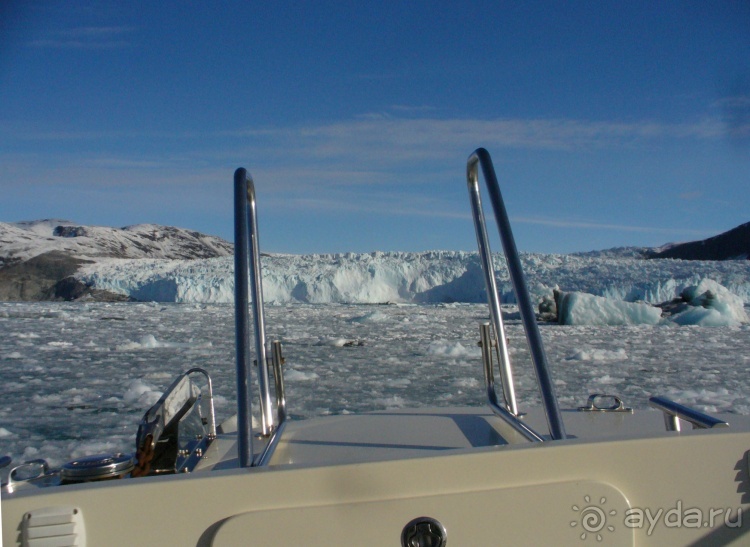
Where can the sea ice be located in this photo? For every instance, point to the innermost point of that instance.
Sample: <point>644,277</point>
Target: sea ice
<point>618,354</point>
<point>451,349</point>
<point>81,399</point>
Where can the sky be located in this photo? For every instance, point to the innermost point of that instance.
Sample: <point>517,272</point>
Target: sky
<point>609,123</point>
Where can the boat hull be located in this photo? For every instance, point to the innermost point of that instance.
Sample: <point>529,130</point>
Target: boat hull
<point>658,489</point>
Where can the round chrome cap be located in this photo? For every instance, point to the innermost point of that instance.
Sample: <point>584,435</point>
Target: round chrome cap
<point>99,467</point>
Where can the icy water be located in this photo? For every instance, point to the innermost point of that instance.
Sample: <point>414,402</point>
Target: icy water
<point>76,378</point>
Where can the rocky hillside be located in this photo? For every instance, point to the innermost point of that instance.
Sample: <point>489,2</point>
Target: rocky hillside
<point>38,258</point>
<point>731,245</point>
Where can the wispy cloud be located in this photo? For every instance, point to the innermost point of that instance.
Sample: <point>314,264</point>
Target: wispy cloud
<point>385,202</point>
<point>378,133</point>
<point>424,138</point>
<point>105,37</point>
<point>415,156</point>
<point>419,152</point>
<point>428,207</point>
<point>397,110</point>
<point>17,131</point>
<point>390,165</point>
<point>379,153</point>
<point>737,117</point>
<point>563,223</point>
<point>413,109</point>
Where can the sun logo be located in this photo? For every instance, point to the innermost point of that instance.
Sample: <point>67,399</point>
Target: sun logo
<point>593,519</point>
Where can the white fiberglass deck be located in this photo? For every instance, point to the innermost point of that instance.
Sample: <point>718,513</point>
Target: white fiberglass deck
<point>425,432</point>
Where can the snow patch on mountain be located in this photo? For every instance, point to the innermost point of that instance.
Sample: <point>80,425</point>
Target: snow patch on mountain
<point>39,258</point>
<point>20,241</point>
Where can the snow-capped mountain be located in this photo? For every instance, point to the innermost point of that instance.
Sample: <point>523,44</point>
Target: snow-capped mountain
<point>36,256</point>
<point>21,241</point>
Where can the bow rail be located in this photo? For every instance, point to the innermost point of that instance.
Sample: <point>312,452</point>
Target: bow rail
<point>247,264</point>
<point>481,158</point>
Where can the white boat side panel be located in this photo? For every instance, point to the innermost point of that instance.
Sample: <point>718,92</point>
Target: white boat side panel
<point>706,470</point>
<point>539,514</point>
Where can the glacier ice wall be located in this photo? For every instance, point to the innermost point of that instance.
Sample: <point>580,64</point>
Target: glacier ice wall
<point>426,277</point>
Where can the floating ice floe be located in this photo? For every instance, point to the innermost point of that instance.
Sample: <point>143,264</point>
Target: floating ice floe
<point>372,317</point>
<point>707,304</point>
<point>711,305</point>
<point>141,394</point>
<point>577,308</point>
<point>339,342</point>
<point>299,376</point>
<point>451,349</point>
<point>598,355</point>
<point>149,341</point>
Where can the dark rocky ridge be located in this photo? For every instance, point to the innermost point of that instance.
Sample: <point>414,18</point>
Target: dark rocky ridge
<point>49,276</point>
<point>731,245</point>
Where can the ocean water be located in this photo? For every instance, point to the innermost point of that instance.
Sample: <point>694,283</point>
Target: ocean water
<point>76,378</point>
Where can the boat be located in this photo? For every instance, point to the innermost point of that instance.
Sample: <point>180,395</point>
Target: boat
<point>599,473</point>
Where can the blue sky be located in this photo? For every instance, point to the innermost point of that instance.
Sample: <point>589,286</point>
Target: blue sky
<point>610,123</point>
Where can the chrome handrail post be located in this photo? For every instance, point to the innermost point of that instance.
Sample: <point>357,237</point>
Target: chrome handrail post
<point>256,290</point>
<point>485,256</point>
<point>242,183</point>
<point>278,380</point>
<point>250,245</point>
<point>247,264</point>
<point>485,342</point>
<point>674,412</point>
<point>501,411</point>
<point>481,157</point>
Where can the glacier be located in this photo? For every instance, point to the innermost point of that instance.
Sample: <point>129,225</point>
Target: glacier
<point>400,277</point>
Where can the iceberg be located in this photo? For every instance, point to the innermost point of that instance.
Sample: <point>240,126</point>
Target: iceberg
<point>579,308</point>
<point>706,304</point>
<point>710,304</point>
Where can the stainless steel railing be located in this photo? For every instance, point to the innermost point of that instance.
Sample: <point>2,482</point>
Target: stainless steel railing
<point>209,399</point>
<point>674,412</point>
<point>247,264</point>
<point>503,411</point>
<point>481,158</point>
